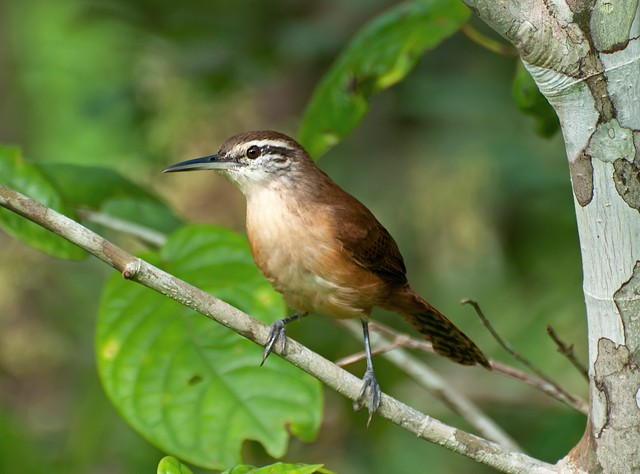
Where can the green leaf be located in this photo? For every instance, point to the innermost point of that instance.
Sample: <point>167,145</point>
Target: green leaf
<point>279,468</point>
<point>26,178</point>
<point>189,385</point>
<point>530,101</point>
<point>170,465</point>
<point>379,56</point>
<point>107,191</point>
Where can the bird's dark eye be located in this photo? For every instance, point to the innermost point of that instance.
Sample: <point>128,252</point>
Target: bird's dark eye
<point>253,152</point>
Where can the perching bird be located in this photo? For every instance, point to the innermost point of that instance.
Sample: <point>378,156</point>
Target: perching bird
<point>322,249</point>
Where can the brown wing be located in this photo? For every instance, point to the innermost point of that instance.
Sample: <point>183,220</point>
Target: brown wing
<point>366,241</point>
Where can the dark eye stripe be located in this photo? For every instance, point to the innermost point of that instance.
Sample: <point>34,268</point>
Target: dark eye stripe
<point>276,150</point>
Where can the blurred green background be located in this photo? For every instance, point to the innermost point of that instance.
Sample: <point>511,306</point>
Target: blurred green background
<point>479,204</point>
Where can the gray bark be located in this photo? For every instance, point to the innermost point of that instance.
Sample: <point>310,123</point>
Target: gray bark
<point>585,59</point>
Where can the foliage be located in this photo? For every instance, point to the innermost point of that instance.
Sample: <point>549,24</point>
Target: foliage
<point>193,388</point>
<point>67,188</point>
<point>170,465</point>
<point>279,468</point>
<point>28,179</point>
<point>380,55</point>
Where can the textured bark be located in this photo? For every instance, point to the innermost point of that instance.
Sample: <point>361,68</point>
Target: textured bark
<point>585,58</point>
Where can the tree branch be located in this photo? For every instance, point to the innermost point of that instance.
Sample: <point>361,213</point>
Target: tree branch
<point>136,269</point>
<point>572,401</point>
<point>567,351</point>
<point>436,385</point>
<point>563,395</point>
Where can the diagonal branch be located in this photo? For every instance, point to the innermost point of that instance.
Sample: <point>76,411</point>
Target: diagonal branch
<point>570,400</point>
<point>567,351</point>
<point>338,379</point>
<point>564,395</point>
<point>145,234</point>
<point>431,381</point>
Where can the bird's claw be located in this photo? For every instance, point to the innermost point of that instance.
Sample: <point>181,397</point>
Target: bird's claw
<point>277,332</point>
<point>370,384</point>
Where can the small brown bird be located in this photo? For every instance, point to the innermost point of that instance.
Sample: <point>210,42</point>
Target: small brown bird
<point>322,249</point>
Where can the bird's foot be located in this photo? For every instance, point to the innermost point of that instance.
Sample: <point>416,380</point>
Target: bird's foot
<point>370,384</point>
<point>277,332</point>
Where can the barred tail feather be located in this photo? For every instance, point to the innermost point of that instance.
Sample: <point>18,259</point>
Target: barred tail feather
<point>447,339</point>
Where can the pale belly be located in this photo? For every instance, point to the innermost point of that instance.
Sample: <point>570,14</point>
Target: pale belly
<point>300,259</point>
<point>310,293</point>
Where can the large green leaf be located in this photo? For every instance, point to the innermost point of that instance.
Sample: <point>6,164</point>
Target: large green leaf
<point>380,55</point>
<point>279,468</point>
<point>26,178</point>
<point>190,386</point>
<point>105,190</point>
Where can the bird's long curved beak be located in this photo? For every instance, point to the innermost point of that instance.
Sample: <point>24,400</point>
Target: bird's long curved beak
<point>212,162</point>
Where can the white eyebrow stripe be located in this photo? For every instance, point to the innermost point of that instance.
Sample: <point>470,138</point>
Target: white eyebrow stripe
<point>273,143</point>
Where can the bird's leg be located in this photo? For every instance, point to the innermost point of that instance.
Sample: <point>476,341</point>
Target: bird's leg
<point>277,332</point>
<point>369,381</point>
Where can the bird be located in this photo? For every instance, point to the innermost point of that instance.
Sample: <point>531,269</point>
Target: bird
<point>324,250</point>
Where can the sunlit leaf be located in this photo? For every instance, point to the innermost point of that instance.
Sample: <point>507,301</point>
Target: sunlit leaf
<point>189,385</point>
<point>279,468</point>
<point>26,178</point>
<point>170,465</point>
<point>379,56</point>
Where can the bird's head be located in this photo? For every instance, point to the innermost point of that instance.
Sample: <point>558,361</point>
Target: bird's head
<point>253,159</point>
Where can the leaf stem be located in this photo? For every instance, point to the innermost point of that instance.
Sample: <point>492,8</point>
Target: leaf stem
<point>486,42</point>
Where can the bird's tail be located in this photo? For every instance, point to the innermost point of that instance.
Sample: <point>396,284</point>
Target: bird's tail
<point>447,339</point>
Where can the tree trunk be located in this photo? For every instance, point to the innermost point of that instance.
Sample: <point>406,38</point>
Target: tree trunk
<point>585,57</point>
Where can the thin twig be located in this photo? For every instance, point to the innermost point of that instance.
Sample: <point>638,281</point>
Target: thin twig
<point>567,351</point>
<point>362,355</point>
<point>572,401</point>
<point>507,347</point>
<point>150,236</point>
<point>486,42</point>
<point>136,269</point>
<point>432,382</point>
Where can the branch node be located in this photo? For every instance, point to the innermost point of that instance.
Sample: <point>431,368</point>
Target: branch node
<point>131,269</point>
<point>567,351</point>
